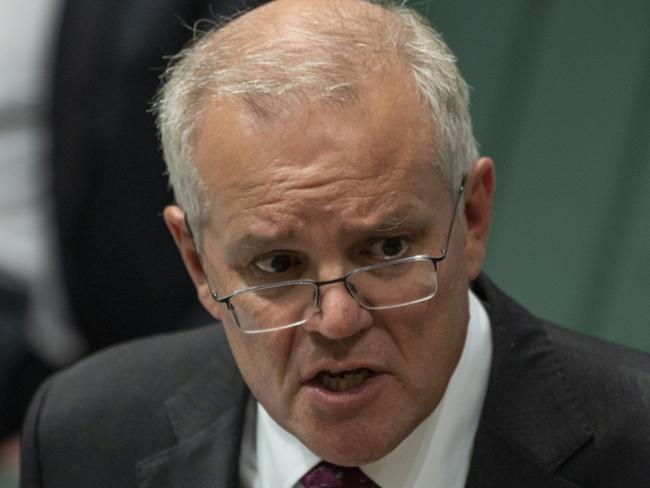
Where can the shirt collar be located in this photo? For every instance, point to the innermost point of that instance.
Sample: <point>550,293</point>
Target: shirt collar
<point>436,454</point>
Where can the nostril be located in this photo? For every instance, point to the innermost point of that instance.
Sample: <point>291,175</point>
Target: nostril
<point>339,315</point>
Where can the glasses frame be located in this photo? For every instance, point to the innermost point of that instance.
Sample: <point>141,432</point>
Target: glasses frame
<point>345,279</point>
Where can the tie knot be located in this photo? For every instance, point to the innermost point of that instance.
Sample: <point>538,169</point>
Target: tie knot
<point>326,475</point>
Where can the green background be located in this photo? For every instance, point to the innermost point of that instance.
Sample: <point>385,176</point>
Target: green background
<point>561,101</point>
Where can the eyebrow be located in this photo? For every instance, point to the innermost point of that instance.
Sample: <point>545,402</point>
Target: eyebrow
<point>395,220</point>
<point>392,223</point>
<point>250,244</point>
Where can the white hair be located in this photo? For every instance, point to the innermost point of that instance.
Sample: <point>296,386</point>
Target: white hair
<point>327,59</point>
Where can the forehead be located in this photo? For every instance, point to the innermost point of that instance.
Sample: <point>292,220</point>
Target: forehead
<point>367,157</point>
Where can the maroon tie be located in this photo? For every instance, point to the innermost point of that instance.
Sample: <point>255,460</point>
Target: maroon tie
<point>327,475</point>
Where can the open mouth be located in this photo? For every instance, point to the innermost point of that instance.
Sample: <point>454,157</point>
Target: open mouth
<point>343,380</point>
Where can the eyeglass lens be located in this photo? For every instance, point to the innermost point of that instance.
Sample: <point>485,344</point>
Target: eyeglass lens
<point>395,285</point>
<point>288,305</point>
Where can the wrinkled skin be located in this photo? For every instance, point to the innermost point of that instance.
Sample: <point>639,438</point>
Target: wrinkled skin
<point>330,189</point>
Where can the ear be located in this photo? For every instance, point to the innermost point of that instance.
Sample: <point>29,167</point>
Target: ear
<point>479,191</point>
<point>175,219</point>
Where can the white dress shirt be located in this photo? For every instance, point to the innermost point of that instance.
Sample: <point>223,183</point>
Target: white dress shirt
<point>435,455</point>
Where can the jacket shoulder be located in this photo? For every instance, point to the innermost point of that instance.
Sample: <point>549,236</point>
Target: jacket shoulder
<point>579,406</point>
<point>611,384</point>
<point>144,371</point>
<point>109,410</point>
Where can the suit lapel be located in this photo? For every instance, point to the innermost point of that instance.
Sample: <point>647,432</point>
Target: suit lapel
<point>498,463</point>
<point>531,423</point>
<point>207,416</point>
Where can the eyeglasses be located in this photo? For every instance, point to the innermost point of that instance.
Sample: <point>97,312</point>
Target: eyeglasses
<point>392,284</point>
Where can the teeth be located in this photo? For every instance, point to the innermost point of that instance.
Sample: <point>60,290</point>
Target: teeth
<point>343,381</point>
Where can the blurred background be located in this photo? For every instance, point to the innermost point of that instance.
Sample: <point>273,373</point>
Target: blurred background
<point>560,101</point>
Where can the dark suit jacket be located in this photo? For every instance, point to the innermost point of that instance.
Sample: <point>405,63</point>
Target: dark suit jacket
<point>562,410</point>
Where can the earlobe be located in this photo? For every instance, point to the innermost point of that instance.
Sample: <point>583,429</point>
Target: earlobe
<point>479,191</point>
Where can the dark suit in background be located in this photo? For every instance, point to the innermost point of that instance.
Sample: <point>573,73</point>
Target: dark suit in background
<point>122,273</point>
<point>562,410</point>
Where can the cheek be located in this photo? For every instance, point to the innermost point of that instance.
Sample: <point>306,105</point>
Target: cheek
<point>262,360</point>
<point>430,338</point>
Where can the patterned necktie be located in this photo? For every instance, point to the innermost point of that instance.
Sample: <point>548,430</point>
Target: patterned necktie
<point>327,475</point>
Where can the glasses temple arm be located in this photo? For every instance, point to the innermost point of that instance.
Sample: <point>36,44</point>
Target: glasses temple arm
<point>214,294</point>
<point>459,195</point>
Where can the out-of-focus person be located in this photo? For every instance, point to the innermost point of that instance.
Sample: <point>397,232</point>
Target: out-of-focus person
<point>75,131</point>
<point>36,336</point>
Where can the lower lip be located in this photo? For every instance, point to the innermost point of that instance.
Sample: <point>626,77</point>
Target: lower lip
<point>343,401</point>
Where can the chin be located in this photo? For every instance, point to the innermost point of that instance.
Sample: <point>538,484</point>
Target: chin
<point>352,454</point>
<point>354,445</point>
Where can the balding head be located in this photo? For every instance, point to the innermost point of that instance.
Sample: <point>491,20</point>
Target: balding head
<point>315,128</point>
<point>289,53</point>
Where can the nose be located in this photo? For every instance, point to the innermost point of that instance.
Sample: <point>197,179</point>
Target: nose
<point>339,315</point>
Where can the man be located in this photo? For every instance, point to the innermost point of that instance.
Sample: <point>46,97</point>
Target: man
<point>333,215</point>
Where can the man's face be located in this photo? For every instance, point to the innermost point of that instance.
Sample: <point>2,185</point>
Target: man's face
<point>316,195</point>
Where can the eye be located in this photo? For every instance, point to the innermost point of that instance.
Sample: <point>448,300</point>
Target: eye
<point>388,248</point>
<point>276,263</point>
